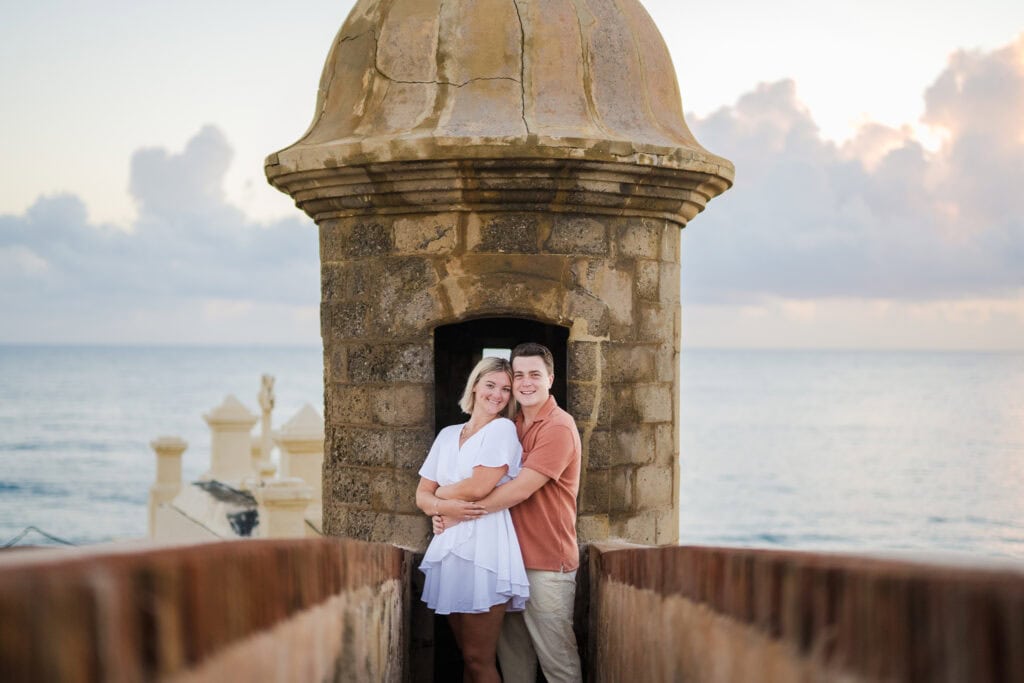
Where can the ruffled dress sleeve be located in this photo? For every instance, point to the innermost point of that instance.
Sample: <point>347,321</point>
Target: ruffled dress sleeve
<point>500,447</point>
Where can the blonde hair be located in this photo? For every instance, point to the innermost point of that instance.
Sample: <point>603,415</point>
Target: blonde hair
<point>484,367</point>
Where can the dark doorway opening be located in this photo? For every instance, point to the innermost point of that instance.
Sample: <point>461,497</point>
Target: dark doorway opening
<point>459,347</point>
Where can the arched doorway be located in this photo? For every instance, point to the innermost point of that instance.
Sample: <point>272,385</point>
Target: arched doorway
<point>458,347</point>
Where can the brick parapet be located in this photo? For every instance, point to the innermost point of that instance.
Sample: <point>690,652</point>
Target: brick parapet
<point>724,614</point>
<point>166,613</point>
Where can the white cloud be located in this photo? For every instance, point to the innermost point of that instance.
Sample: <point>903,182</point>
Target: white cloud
<point>190,257</point>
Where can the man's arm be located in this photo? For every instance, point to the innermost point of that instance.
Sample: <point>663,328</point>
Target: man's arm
<point>505,496</point>
<point>514,492</point>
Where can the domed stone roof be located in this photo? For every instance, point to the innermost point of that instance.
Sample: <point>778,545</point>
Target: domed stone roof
<point>483,80</point>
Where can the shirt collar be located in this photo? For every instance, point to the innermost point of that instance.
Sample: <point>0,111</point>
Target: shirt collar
<point>545,410</point>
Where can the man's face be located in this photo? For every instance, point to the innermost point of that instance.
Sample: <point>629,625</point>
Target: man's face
<point>531,383</point>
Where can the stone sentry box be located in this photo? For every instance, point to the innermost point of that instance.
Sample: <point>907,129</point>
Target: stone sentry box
<point>487,172</point>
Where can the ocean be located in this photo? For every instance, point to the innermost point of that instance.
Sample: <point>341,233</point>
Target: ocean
<point>894,453</point>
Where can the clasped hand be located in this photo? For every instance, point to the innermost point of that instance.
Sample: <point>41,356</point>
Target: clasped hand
<point>455,511</point>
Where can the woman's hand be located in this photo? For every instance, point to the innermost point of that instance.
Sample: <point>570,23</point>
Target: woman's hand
<point>460,510</point>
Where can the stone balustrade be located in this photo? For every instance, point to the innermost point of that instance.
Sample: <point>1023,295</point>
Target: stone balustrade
<point>239,495</point>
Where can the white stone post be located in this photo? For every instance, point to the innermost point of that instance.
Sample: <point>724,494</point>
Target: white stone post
<point>230,426</point>
<point>284,504</point>
<point>168,475</point>
<point>300,442</point>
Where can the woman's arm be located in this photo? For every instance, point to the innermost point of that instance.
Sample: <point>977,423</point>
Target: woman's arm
<point>430,504</point>
<point>474,488</point>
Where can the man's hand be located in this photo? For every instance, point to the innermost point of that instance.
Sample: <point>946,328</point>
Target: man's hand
<point>440,523</point>
<point>461,510</point>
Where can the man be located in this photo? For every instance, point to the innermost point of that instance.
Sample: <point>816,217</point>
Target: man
<point>543,508</point>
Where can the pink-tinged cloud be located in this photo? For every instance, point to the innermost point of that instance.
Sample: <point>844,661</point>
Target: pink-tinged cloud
<point>879,217</point>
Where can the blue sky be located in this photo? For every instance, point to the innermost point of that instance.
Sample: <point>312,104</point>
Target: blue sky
<point>876,204</point>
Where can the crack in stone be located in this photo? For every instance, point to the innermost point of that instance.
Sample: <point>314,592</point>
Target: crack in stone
<point>439,233</point>
<point>383,74</point>
<point>522,63</point>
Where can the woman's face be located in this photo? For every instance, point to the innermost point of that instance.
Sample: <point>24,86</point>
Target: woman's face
<point>492,393</point>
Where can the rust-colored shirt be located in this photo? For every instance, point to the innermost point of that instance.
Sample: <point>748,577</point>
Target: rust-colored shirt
<point>546,521</point>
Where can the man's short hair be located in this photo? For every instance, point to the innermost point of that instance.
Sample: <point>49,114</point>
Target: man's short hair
<point>533,349</point>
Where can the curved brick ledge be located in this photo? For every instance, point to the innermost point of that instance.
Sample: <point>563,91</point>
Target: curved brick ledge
<point>718,614</point>
<point>171,612</point>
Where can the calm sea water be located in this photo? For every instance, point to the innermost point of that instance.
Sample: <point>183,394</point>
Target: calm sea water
<point>852,451</point>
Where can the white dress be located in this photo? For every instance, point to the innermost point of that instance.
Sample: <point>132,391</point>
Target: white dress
<point>476,564</point>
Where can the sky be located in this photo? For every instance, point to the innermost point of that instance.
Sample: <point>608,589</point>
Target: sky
<point>879,149</point>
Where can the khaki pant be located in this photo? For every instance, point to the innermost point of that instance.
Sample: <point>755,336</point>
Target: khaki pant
<point>543,632</point>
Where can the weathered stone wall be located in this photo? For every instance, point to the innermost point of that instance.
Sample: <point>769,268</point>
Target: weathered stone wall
<point>310,610</point>
<point>389,280</point>
<point>714,614</point>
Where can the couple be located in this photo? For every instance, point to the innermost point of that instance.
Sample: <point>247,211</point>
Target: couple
<point>485,559</point>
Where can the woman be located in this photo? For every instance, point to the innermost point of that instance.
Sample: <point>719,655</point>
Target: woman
<point>474,571</point>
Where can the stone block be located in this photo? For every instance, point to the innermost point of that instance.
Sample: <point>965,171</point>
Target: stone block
<point>595,492</point>
<point>589,315</point>
<point>405,483</point>
<point>641,527</point>
<point>666,443</point>
<point>577,235</point>
<point>367,238</point>
<point>612,286</point>
<point>667,365</point>
<point>408,531</point>
<point>411,447</point>
<point>639,238</point>
<point>582,398</point>
<point>667,521</point>
<point>335,363</point>
<point>394,492</point>
<point>343,320</point>
<point>602,450</point>
<point>628,363</point>
<point>348,404</point>
<point>402,405</point>
<point>516,266</point>
<point>655,487</point>
<point>351,486</point>
<point>654,402</point>
<point>670,240</point>
<point>647,280</point>
<point>342,520</point>
<point>668,283</point>
<point>636,446</point>
<point>359,446</point>
<point>386,363</point>
<point>347,280</point>
<point>516,233</point>
<point>354,237</point>
<point>590,528</point>
<point>584,359</point>
<point>657,323</point>
<point>506,294</point>
<point>617,406</point>
<point>432,234</point>
<point>620,489</point>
